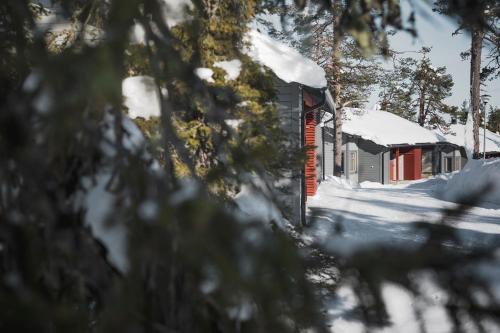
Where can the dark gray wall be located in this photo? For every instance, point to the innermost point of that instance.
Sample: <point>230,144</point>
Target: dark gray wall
<point>428,161</point>
<point>463,157</point>
<point>290,189</point>
<point>350,144</point>
<point>453,152</point>
<point>370,159</point>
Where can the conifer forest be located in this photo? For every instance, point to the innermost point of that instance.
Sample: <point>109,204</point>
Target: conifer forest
<point>269,166</point>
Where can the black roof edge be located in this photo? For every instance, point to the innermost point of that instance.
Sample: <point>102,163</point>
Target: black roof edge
<point>324,102</point>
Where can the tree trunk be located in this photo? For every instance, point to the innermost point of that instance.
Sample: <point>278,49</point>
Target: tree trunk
<point>421,109</point>
<point>338,141</point>
<point>475,89</point>
<point>337,86</point>
<point>338,119</point>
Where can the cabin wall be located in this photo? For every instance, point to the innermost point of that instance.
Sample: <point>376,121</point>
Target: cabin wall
<point>328,152</point>
<point>290,189</point>
<point>350,158</point>
<point>311,168</point>
<point>410,163</point>
<point>451,158</point>
<point>428,161</point>
<point>463,157</point>
<point>386,163</point>
<point>370,161</point>
<point>319,151</point>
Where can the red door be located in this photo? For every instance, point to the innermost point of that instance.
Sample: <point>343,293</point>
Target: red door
<point>418,162</point>
<point>391,169</point>
<point>413,164</point>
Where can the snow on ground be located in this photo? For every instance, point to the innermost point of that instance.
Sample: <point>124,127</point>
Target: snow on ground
<point>174,11</point>
<point>385,128</point>
<point>205,74</point>
<point>375,213</point>
<point>99,203</point>
<point>254,204</point>
<point>371,214</point>
<point>141,97</point>
<point>99,198</point>
<point>232,68</point>
<point>55,23</point>
<point>286,62</point>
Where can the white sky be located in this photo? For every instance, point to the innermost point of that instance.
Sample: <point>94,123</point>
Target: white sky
<point>436,31</point>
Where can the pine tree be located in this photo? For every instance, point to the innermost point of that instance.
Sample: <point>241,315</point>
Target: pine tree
<point>96,237</point>
<point>418,88</point>
<point>493,123</point>
<point>351,71</point>
<point>75,171</point>
<point>462,113</point>
<point>396,95</point>
<point>483,24</point>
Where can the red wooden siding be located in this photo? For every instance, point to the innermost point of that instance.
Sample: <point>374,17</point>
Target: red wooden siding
<point>412,163</point>
<point>310,142</point>
<point>392,176</point>
<point>417,162</point>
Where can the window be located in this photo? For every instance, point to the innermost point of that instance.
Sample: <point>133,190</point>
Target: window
<point>427,161</point>
<point>448,166</point>
<point>458,163</point>
<point>353,161</point>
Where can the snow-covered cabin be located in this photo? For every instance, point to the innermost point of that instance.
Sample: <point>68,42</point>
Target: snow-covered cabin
<point>306,112</point>
<point>382,147</point>
<point>456,134</point>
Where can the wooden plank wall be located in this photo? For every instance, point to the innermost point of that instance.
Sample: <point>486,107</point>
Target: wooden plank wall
<point>310,143</point>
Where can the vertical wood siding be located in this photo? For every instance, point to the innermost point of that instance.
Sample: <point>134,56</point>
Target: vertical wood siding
<point>328,154</point>
<point>370,161</point>
<point>310,143</point>
<point>288,105</point>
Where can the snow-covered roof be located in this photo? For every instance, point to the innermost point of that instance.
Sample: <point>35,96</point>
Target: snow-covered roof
<point>385,128</point>
<point>286,62</point>
<point>456,135</point>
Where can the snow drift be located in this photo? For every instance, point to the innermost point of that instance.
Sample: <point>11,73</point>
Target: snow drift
<point>472,179</point>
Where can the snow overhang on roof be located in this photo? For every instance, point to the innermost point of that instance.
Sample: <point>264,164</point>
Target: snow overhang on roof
<point>386,129</point>
<point>456,135</point>
<point>286,62</point>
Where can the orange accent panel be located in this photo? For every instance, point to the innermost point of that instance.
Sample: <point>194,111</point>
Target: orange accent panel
<point>310,143</point>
